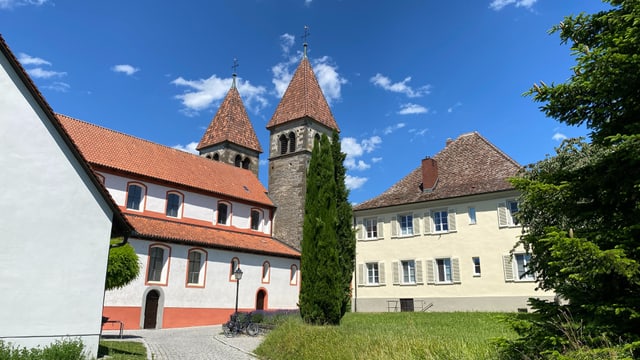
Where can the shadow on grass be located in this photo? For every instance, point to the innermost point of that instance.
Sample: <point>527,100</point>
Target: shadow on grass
<point>125,350</point>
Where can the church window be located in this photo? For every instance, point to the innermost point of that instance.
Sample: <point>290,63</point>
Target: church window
<point>195,271</point>
<point>238,161</point>
<point>135,194</point>
<point>255,219</point>
<point>283,144</point>
<point>292,142</point>
<point>293,275</point>
<point>158,264</point>
<point>174,204</point>
<point>216,157</point>
<point>245,163</point>
<point>223,213</point>
<point>235,264</point>
<point>266,272</point>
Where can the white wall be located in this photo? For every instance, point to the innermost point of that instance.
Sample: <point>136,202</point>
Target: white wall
<point>55,229</point>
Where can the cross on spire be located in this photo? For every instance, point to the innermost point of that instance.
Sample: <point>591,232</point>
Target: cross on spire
<point>304,38</point>
<point>234,67</point>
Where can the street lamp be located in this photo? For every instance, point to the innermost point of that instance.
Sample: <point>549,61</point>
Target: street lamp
<point>238,275</point>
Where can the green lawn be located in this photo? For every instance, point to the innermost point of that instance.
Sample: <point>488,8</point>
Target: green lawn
<point>408,335</point>
<point>122,350</point>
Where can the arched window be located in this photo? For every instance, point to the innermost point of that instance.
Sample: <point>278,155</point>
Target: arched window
<point>216,157</point>
<point>316,137</point>
<point>174,204</point>
<point>238,161</point>
<point>196,268</point>
<point>245,163</point>
<point>293,277</point>
<point>223,213</point>
<point>283,144</point>
<point>158,264</point>
<point>208,156</point>
<point>256,216</point>
<point>235,264</point>
<point>292,142</point>
<point>135,195</point>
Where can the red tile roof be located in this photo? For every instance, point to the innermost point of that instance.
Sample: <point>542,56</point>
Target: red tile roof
<point>303,98</point>
<point>468,165</point>
<point>173,231</point>
<point>231,123</point>
<point>117,151</point>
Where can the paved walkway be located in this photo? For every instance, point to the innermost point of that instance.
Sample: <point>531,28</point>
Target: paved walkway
<point>196,343</point>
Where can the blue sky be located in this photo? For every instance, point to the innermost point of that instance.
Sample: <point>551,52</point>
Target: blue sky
<point>400,76</point>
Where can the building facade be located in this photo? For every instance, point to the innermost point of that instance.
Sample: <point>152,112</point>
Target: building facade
<point>443,237</point>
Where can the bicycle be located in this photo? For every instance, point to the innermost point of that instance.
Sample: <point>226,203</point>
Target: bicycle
<point>240,323</point>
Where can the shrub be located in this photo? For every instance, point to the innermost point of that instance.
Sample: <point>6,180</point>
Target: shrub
<point>67,349</point>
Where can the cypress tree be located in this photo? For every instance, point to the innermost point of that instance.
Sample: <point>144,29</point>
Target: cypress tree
<point>321,286</point>
<point>344,228</point>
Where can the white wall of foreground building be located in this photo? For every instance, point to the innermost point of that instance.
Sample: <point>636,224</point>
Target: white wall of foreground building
<point>182,304</point>
<point>489,290</point>
<point>55,229</point>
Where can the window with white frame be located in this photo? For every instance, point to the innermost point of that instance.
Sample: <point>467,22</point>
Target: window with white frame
<point>266,272</point>
<point>406,224</point>
<point>443,270</point>
<point>223,213</point>
<point>373,274</point>
<point>158,264</point>
<point>507,213</point>
<point>440,220</point>
<point>174,202</point>
<point>371,228</point>
<point>476,266</point>
<point>255,219</point>
<point>293,275</point>
<point>135,194</point>
<point>516,267</point>
<point>408,271</point>
<point>472,215</point>
<point>195,268</point>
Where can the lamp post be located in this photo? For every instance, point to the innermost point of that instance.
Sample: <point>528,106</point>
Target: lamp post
<point>238,275</point>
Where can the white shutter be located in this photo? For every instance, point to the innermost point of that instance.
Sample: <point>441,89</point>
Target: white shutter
<point>455,270</point>
<point>359,230</point>
<point>396,277</point>
<point>502,215</point>
<point>451,218</point>
<point>394,226</point>
<point>361,271</point>
<point>427,223</point>
<point>419,279</point>
<point>416,224</point>
<point>431,279</point>
<point>380,228</point>
<point>381,273</point>
<point>508,267</point>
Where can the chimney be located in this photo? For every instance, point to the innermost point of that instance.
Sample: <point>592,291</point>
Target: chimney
<point>429,174</point>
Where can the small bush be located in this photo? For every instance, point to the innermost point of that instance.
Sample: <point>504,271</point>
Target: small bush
<point>68,349</point>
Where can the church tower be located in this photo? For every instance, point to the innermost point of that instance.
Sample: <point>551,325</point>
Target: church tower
<point>302,115</point>
<point>230,137</point>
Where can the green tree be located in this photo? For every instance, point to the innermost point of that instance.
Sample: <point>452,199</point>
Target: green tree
<point>344,227</point>
<point>580,208</point>
<point>123,266</point>
<point>321,287</point>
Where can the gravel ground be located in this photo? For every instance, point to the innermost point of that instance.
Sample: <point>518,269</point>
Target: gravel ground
<point>197,343</point>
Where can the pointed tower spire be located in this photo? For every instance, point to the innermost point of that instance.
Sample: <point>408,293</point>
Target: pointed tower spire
<point>304,37</point>
<point>230,137</point>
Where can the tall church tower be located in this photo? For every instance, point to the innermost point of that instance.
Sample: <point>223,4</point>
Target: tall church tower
<point>230,137</point>
<point>302,115</point>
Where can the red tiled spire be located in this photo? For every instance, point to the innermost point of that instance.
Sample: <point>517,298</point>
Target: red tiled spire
<point>303,98</point>
<point>231,123</point>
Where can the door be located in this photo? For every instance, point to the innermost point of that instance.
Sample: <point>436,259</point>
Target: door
<point>151,309</point>
<point>260,300</point>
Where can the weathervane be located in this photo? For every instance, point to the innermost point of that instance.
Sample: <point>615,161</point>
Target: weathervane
<point>234,67</point>
<point>304,38</point>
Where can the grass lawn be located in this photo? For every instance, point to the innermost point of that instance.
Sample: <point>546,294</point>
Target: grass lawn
<point>405,335</point>
<point>122,350</point>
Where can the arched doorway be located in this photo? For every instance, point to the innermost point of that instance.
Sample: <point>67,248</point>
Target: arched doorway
<point>261,300</point>
<point>151,309</point>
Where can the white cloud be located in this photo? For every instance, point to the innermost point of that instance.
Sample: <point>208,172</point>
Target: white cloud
<point>376,160</point>
<point>354,182</point>
<point>125,69</point>
<point>58,86</point>
<point>26,59</point>
<point>389,129</point>
<point>190,147</point>
<point>456,105</point>
<point>559,136</point>
<point>286,42</point>
<point>351,147</point>
<point>354,149</point>
<point>497,5</point>
<point>399,87</point>
<point>9,4</point>
<point>370,144</point>
<point>40,73</point>
<point>419,132</point>
<point>408,109</point>
<point>203,93</point>
<point>330,81</point>
<point>308,2</point>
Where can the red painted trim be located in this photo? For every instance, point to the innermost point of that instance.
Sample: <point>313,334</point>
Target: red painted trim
<point>143,201</point>
<point>268,280</point>
<point>166,204</point>
<point>129,315</point>
<point>203,271</point>
<point>231,269</point>
<point>166,278</point>
<point>266,298</point>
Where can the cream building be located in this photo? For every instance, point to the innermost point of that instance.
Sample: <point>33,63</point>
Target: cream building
<point>443,237</point>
